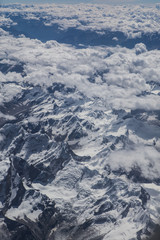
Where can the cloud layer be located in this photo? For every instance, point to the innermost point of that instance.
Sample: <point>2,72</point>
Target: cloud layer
<point>131,20</point>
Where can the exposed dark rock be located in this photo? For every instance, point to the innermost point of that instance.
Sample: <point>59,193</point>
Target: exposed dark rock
<point>107,219</point>
<point>105,207</point>
<point>144,196</point>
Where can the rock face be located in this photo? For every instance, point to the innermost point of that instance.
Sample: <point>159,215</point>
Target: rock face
<point>79,136</point>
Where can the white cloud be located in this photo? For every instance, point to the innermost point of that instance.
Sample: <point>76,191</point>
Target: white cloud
<point>123,75</point>
<point>143,157</point>
<point>140,48</point>
<point>131,20</point>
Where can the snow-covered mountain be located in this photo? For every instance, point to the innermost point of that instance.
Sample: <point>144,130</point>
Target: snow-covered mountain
<point>79,122</point>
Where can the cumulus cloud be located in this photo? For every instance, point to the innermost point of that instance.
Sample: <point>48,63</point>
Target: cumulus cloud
<point>140,48</point>
<point>142,157</point>
<point>117,75</point>
<point>5,21</point>
<point>131,20</point>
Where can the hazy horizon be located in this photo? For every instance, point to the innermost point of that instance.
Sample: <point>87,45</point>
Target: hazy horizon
<point>80,1</point>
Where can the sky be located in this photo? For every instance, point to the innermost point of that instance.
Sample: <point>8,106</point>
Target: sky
<point>81,1</point>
